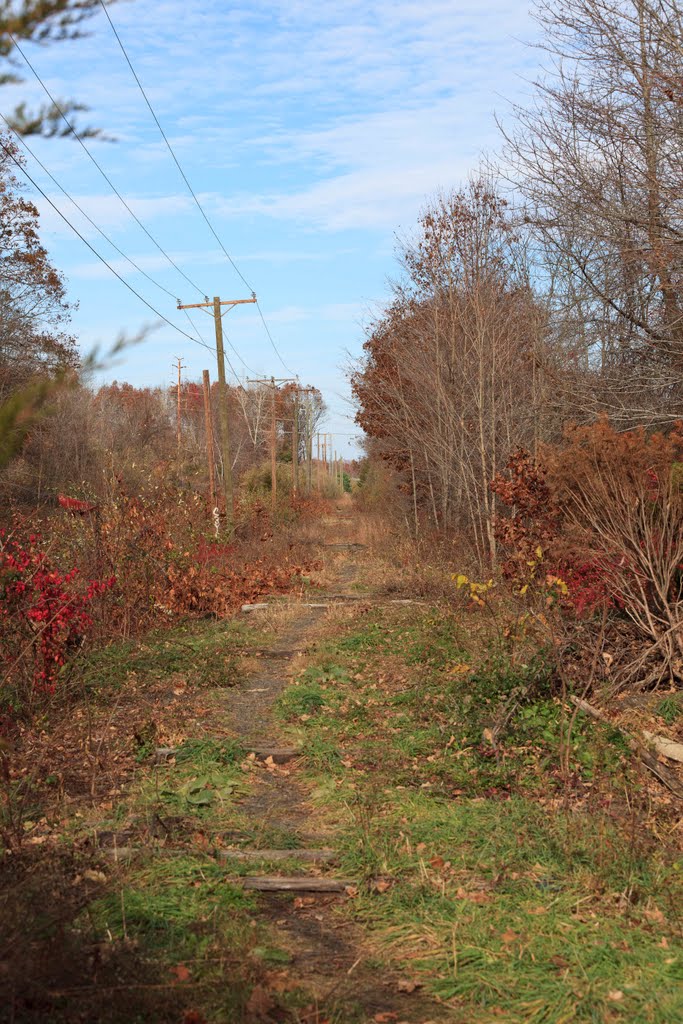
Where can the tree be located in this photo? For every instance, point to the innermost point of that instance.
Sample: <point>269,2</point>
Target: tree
<point>44,22</point>
<point>451,378</point>
<point>598,157</point>
<point>33,306</point>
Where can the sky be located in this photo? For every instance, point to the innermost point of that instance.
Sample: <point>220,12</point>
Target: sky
<point>313,135</point>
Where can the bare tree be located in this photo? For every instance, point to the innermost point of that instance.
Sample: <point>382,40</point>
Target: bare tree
<point>598,156</point>
<point>451,382</point>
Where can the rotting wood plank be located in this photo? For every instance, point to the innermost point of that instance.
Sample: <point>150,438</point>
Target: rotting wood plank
<point>278,755</point>
<point>297,883</point>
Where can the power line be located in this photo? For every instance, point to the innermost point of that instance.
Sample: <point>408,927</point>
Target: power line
<point>104,174</point>
<point>85,241</point>
<point>83,212</point>
<point>170,149</point>
<point>189,186</point>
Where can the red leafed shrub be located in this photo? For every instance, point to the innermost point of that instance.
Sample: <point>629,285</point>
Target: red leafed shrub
<point>218,589</point>
<point>533,517</point>
<point>606,517</point>
<point>588,587</point>
<point>44,614</point>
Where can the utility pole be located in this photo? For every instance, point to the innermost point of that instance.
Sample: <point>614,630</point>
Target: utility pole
<point>180,366</point>
<point>295,439</point>
<point>223,395</point>
<point>317,462</point>
<point>309,448</point>
<point>295,446</point>
<point>272,382</point>
<point>208,425</point>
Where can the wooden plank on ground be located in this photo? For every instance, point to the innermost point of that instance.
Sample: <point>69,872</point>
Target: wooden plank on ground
<point>278,755</point>
<point>273,883</point>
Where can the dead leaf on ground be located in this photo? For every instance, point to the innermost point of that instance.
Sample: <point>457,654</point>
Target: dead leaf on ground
<point>615,995</point>
<point>180,972</point>
<point>408,985</point>
<point>509,937</point>
<point>260,1002</point>
<point>94,876</point>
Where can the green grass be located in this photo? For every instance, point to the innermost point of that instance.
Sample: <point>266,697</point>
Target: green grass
<point>203,783</point>
<point>503,903</point>
<point>204,654</point>
<point>523,914</point>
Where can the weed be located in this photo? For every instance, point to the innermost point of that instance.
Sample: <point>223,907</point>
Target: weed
<point>670,709</point>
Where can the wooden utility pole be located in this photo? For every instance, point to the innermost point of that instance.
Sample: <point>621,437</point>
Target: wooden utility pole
<point>180,366</point>
<point>208,425</point>
<point>272,382</point>
<point>223,396</point>
<point>317,462</point>
<point>308,440</point>
<point>309,448</point>
<point>273,449</point>
<point>295,446</point>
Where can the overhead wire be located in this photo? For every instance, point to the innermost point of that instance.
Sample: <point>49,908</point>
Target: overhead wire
<point>83,212</point>
<point>104,174</point>
<point>191,190</point>
<point>85,241</point>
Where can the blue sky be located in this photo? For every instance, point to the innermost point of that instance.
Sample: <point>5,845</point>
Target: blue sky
<point>313,133</point>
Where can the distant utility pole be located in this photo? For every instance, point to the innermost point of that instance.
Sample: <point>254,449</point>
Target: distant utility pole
<point>272,382</point>
<point>295,446</point>
<point>295,439</point>
<point>223,395</point>
<point>317,462</point>
<point>309,448</point>
<point>208,425</point>
<point>180,366</point>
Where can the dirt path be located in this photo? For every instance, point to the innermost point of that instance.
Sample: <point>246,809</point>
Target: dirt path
<point>328,955</point>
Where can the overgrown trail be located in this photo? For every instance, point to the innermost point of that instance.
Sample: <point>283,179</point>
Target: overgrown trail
<point>310,813</point>
<point>329,957</point>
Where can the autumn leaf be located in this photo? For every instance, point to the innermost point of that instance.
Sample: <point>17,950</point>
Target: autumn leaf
<point>180,972</point>
<point>260,1002</point>
<point>408,985</point>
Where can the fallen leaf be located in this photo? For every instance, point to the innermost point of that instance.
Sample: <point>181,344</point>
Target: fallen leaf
<point>437,863</point>
<point>509,937</point>
<point>408,985</point>
<point>385,1017</point>
<point>94,876</point>
<point>382,886</point>
<point>351,890</point>
<point>260,1002</point>
<point>615,995</point>
<point>180,972</point>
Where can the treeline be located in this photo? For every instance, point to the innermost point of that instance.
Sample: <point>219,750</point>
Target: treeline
<point>93,443</point>
<point>547,291</point>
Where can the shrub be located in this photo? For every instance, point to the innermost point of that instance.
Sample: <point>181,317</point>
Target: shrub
<point>605,517</point>
<point>44,615</point>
